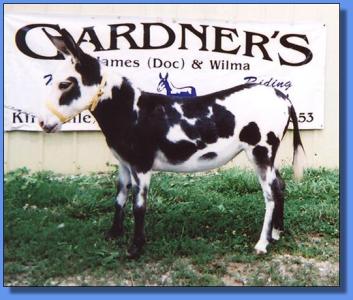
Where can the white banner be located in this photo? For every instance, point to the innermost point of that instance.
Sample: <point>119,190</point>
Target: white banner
<point>204,56</point>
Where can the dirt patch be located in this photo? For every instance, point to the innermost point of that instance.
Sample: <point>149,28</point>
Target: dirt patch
<point>290,264</point>
<point>283,270</point>
<point>85,280</point>
<point>236,274</point>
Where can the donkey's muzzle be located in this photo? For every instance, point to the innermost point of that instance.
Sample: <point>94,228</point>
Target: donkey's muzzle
<point>48,128</point>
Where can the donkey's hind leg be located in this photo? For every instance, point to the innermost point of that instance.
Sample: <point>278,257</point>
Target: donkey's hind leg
<point>272,192</point>
<point>267,180</point>
<point>278,187</point>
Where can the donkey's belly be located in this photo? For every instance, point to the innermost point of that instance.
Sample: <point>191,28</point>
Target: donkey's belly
<point>213,156</point>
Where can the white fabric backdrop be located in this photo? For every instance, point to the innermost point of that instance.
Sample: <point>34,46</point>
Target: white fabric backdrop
<point>204,65</point>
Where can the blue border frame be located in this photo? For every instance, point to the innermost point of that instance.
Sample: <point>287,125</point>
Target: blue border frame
<point>345,291</point>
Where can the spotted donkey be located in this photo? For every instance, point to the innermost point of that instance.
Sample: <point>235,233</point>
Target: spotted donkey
<point>147,132</point>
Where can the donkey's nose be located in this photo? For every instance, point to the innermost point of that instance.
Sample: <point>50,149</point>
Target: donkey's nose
<point>49,128</point>
<point>46,127</point>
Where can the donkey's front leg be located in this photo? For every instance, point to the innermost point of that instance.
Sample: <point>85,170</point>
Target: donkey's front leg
<point>124,184</point>
<point>140,184</point>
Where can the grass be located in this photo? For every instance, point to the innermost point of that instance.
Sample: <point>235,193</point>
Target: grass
<point>201,230</point>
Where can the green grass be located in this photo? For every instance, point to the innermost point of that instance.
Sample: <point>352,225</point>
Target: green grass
<point>201,230</point>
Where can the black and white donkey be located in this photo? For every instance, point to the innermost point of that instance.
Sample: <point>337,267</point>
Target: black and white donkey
<point>147,131</point>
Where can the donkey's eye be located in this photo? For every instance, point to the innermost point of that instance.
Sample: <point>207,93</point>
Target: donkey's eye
<point>64,85</point>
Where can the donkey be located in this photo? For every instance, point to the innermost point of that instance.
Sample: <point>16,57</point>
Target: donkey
<point>147,131</point>
<point>164,84</point>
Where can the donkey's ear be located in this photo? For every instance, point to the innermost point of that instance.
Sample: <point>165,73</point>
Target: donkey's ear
<point>65,43</point>
<point>71,45</point>
<point>166,76</point>
<point>58,42</point>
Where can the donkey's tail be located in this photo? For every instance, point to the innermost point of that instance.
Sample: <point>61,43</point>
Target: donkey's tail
<point>299,153</point>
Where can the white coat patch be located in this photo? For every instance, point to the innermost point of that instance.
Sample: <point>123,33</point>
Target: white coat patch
<point>176,134</point>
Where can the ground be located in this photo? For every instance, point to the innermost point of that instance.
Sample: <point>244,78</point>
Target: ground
<point>201,230</point>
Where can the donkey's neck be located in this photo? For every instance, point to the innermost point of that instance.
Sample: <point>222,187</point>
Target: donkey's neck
<point>112,79</point>
<point>117,110</point>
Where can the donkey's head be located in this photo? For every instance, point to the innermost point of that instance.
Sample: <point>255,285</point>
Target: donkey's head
<point>76,86</point>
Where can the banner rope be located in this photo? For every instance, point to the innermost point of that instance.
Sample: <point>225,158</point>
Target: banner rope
<point>20,110</point>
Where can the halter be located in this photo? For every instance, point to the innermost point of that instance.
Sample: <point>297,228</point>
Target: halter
<point>91,106</point>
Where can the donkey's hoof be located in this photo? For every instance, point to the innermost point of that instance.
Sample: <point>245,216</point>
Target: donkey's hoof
<point>276,234</point>
<point>113,235</point>
<point>134,252</point>
<point>260,247</point>
<point>260,251</point>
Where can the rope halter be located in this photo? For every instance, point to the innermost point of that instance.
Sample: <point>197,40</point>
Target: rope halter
<point>91,106</point>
